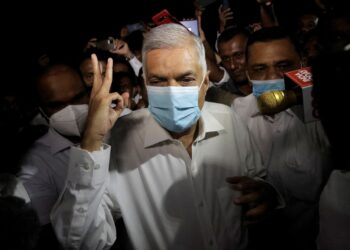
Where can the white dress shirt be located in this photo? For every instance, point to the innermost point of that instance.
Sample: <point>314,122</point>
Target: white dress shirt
<point>335,213</point>
<point>296,156</point>
<point>43,172</point>
<point>12,186</point>
<point>136,65</point>
<point>167,199</point>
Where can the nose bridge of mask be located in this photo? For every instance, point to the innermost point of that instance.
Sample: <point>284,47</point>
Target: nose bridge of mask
<point>267,82</point>
<point>70,120</point>
<point>262,86</point>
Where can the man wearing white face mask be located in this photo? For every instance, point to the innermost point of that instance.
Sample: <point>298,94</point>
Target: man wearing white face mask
<point>63,99</point>
<point>180,172</point>
<point>294,153</point>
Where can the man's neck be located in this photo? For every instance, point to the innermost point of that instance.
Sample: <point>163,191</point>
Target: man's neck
<point>187,137</point>
<point>246,89</point>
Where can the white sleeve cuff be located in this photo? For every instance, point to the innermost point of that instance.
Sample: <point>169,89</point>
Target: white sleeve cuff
<point>224,79</point>
<point>88,168</point>
<point>136,65</point>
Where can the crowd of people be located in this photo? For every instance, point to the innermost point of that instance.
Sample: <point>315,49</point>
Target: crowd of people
<point>155,138</point>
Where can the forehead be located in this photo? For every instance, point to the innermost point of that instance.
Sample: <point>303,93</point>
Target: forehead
<point>172,62</point>
<point>275,50</point>
<point>86,65</point>
<point>59,85</point>
<point>237,42</point>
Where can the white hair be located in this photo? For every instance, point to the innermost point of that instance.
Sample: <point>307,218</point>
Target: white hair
<point>168,36</point>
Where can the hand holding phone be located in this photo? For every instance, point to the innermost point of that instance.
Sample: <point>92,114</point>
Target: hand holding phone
<point>107,44</point>
<point>164,17</point>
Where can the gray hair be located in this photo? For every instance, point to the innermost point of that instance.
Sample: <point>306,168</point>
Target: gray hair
<point>169,36</point>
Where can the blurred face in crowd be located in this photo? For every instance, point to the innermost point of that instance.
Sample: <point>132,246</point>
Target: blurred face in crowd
<point>337,34</point>
<point>269,60</point>
<point>120,67</point>
<point>306,23</point>
<point>176,67</point>
<point>233,58</point>
<point>87,72</point>
<point>60,87</point>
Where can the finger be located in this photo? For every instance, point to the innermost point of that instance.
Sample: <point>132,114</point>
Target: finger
<point>237,179</point>
<point>220,9</point>
<point>107,81</point>
<point>247,186</point>
<point>97,75</point>
<point>119,105</point>
<point>126,97</point>
<point>244,183</point>
<point>226,11</point>
<point>119,44</point>
<point>257,212</point>
<point>228,15</point>
<point>250,198</point>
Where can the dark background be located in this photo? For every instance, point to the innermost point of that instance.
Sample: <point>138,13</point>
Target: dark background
<point>30,29</point>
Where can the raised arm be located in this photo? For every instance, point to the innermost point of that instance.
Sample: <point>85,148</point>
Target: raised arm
<point>267,13</point>
<point>215,72</point>
<point>82,216</point>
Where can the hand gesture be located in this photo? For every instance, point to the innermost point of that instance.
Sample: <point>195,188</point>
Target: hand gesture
<point>258,197</point>
<point>102,113</point>
<point>198,14</point>
<point>225,14</point>
<point>91,44</point>
<point>121,48</point>
<point>264,2</point>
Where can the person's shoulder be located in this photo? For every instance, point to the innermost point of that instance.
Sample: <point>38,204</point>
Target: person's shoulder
<point>214,107</point>
<point>243,101</point>
<point>135,121</point>
<point>138,116</point>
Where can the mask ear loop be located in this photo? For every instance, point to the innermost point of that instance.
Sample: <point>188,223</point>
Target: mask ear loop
<point>204,76</point>
<point>43,114</point>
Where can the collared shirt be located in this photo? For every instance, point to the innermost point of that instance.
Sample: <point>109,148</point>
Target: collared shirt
<point>167,199</point>
<point>296,158</point>
<point>335,212</point>
<point>136,65</point>
<point>295,153</point>
<point>11,186</point>
<point>43,172</point>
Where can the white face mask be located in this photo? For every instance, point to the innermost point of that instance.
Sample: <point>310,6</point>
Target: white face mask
<point>70,121</point>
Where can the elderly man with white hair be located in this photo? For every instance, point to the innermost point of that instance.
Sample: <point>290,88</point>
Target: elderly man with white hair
<point>182,173</point>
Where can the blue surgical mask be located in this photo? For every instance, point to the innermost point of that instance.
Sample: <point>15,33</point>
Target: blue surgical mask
<point>259,87</point>
<point>174,108</point>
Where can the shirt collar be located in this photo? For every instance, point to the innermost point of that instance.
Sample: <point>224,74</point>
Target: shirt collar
<point>154,133</point>
<point>56,142</point>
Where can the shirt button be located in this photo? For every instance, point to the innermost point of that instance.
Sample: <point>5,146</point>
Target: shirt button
<point>84,166</point>
<point>201,204</point>
<point>211,242</point>
<point>81,210</point>
<point>97,166</point>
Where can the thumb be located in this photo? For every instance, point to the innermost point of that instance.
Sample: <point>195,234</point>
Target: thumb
<point>126,97</point>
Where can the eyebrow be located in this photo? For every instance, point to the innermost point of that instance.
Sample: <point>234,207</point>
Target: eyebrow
<point>181,75</point>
